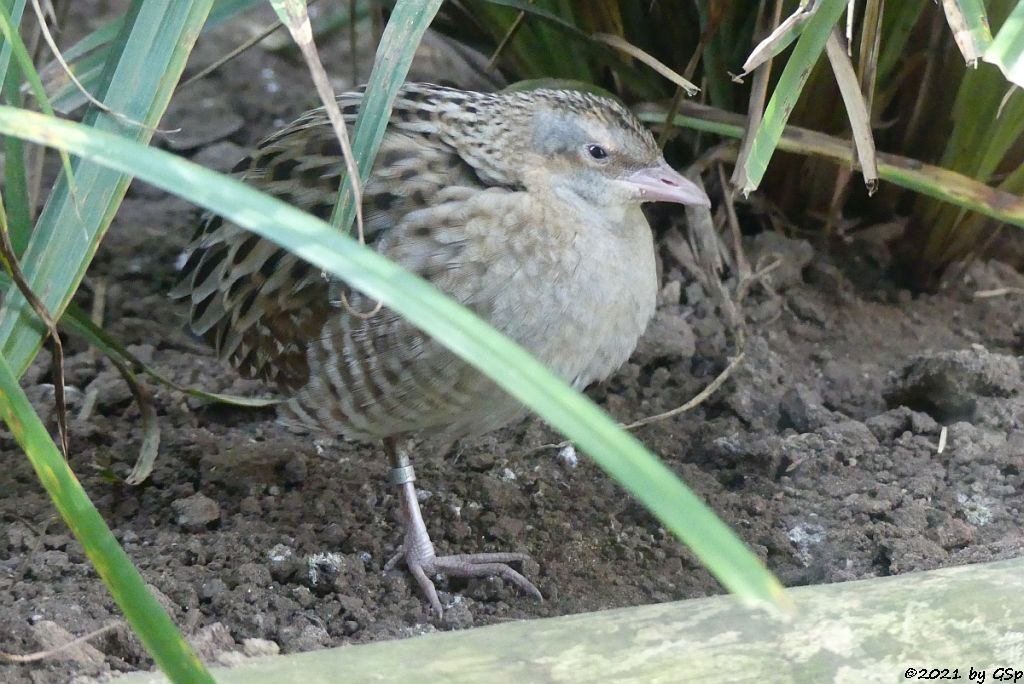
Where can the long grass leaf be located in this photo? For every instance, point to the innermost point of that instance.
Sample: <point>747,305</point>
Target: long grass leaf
<point>155,45</point>
<point>976,228</point>
<point>409,21</point>
<point>15,10</point>
<point>88,55</point>
<point>618,452</point>
<point>805,54</point>
<point>1007,50</point>
<point>969,23</point>
<point>28,72</point>
<point>17,196</point>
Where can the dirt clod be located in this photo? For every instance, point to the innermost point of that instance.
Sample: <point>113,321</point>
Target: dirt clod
<point>195,513</point>
<point>947,384</point>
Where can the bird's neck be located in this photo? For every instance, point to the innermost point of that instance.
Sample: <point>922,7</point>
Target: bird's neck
<point>611,216</point>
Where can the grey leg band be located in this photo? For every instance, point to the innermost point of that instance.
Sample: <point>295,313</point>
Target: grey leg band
<point>401,475</point>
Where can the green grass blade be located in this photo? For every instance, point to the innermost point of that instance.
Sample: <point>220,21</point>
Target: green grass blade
<point>409,21</point>
<point>780,38</point>
<point>1007,50</point>
<point>9,29</point>
<point>102,36</point>
<point>19,215</point>
<point>66,96</point>
<point>225,10</point>
<point>15,10</point>
<point>547,15</point>
<point>16,194</point>
<point>975,228</point>
<point>155,44</point>
<point>154,627</point>
<point>28,72</point>
<point>969,23</point>
<point>898,22</point>
<point>77,322</point>
<point>87,56</point>
<point>615,450</point>
<point>805,54</point>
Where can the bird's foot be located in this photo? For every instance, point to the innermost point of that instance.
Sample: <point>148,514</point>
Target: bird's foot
<point>418,551</point>
<point>424,565</point>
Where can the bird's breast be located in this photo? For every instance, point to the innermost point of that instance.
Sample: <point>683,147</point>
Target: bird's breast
<point>577,293</point>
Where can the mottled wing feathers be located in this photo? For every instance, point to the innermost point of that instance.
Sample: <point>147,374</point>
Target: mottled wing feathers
<point>378,376</point>
<point>257,304</point>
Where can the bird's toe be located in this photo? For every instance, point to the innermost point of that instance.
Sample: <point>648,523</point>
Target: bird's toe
<point>486,564</point>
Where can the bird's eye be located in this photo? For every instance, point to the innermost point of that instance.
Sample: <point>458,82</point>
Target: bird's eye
<point>597,152</point>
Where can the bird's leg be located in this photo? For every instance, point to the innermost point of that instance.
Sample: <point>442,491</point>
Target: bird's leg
<point>418,551</point>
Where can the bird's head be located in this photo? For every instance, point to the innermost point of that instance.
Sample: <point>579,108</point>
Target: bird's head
<point>595,148</point>
<point>570,142</point>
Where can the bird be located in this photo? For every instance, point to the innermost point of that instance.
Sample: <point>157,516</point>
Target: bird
<point>522,205</point>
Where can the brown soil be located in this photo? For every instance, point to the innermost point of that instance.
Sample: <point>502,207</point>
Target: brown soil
<point>821,451</point>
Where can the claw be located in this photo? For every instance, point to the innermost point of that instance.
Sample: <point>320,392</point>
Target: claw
<point>464,565</point>
<point>393,561</point>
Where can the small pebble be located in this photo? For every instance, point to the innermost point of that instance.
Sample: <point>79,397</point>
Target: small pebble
<point>195,513</point>
<point>259,647</point>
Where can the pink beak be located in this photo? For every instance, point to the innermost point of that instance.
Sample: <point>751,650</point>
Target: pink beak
<point>662,183</point>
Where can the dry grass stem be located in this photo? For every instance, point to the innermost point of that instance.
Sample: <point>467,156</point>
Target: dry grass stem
<point>998,292</point>
<point>755,105</point>
<point>266,32</point>
<point>44,30</point>
<point>512,30</point>
<point>10,262</point>
<point>633,51</point>
<point>51,652</point>
<point>697,400</point>
<point>302,33</point>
